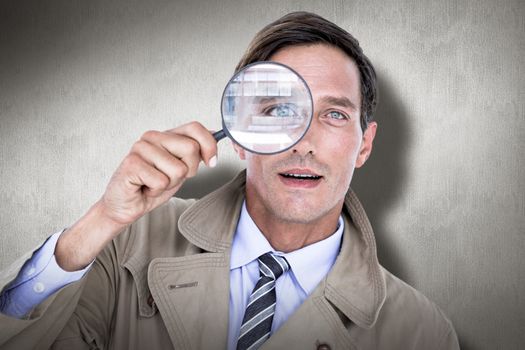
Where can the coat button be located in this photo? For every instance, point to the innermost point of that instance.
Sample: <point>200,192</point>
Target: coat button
<point>151,301</point>
<point>323,346</point>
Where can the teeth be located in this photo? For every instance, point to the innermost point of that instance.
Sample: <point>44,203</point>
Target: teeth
<point>302,176</point>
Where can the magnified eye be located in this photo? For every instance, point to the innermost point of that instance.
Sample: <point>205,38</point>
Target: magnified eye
<point>283,110</point>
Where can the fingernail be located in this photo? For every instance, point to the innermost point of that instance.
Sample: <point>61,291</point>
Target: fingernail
<point>212,162</point>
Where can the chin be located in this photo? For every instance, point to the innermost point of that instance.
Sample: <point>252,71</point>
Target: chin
<point>298,213</point>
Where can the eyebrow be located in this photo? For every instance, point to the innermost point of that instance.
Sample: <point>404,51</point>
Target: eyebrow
<point>272,99</point>
<point>339,101</point>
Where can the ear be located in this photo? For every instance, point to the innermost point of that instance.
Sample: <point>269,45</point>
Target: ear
<point>239,150</point>
<point>366,145</point>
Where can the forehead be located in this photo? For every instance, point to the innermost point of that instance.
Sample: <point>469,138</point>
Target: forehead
<point>327,70</point>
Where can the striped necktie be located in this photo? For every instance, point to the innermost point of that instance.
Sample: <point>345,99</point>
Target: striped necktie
<point>258,317</point>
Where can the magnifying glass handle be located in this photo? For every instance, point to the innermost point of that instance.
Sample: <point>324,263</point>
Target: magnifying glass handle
<point>219,135</point>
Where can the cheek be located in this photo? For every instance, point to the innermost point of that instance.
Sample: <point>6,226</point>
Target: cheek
<point>257,169</point>
<point>343,155</point>
<point>251,165</point>
<point>344,148</point>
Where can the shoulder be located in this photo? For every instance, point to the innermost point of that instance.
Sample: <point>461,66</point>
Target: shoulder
<point>401,295</point>
<point>406,311</point>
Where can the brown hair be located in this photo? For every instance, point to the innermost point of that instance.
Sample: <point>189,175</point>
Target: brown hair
<point>304,28</point>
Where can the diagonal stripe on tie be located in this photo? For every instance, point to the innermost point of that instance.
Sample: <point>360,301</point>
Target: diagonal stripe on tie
<point>259,342</point>
<point>254,321</point>
<point>262,303</point>
<point>257,322</point>
<point>257,336</point>
<point>260,293</point>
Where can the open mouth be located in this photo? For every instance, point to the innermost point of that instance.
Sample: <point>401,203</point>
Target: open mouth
<point>306,177</point>
<point>300,178</point>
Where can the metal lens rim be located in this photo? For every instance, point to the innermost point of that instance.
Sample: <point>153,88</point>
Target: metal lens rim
<point>307,90</point>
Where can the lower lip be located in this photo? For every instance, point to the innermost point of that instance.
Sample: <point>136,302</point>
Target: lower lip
<point>292,182</point>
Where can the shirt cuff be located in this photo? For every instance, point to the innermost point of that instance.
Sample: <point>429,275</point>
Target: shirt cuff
<point>40,277</point>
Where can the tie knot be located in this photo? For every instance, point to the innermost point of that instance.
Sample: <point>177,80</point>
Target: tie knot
<point>272,266</point>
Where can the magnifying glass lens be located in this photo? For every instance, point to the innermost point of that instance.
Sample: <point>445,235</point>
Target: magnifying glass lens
<point>266,108</point>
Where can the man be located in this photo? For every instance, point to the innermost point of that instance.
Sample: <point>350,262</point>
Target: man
<point>281,257</point>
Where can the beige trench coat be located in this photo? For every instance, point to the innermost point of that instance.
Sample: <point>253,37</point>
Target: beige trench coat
<point>164,283</point>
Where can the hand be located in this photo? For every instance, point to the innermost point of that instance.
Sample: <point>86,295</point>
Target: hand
<point>149,175</point>
<point>155,169</point>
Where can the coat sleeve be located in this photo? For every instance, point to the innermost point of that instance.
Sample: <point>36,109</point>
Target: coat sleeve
<point>77,316</point>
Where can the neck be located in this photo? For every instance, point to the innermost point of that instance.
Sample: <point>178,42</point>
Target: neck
<point>286,235</point>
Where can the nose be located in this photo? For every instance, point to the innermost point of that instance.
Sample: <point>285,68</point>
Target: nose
<point>307,145</point>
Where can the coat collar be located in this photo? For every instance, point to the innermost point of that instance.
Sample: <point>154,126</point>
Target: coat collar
<point>210,223</point>
<point>355,285</point>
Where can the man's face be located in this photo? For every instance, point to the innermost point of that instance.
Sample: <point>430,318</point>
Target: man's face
<point>333,146</point>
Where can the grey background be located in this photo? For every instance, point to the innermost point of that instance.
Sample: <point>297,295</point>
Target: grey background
<point>444,188</point>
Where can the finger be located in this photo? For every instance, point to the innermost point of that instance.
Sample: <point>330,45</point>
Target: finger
<point>207,143</point>
<point>183,147</point>
<point>175,169</point>
<point>140,173</point>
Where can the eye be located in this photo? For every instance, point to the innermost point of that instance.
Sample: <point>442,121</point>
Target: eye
<point>337,115</point>
<point>281,110</point>
<point>335,118</point>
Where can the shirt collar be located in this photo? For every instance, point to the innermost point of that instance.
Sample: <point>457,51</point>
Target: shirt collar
<point>309,264</point>
<point>312,263</point>
<point>248,242</point>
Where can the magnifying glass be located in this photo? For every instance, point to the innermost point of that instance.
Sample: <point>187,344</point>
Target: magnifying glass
<point>266,108</point>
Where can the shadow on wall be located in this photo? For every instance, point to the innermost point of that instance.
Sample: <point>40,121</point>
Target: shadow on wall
<point>380,183</point>
<point>206,181</point>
